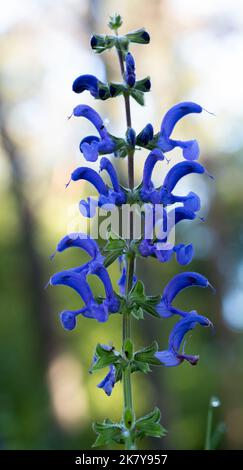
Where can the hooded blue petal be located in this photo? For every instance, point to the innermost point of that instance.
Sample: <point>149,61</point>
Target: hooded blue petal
<point>75,281</point>
<point>178,171</point>
<point>90,175</point>
<point>175,286</point>
<point>105,164</point>
<point>111,299</point>
<point>172,356</point>
<point>147,192</point>
<point>86,82</point>
<point>190,148</point>
<point>92,147</point>
<point>80,240</point>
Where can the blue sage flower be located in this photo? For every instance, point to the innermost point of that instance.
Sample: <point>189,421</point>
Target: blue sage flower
<point>172,356</point>
<point>108,197</point>
<point>92,309</point>
<point>130,76</point>
<point>109,381</point>
<point>189,148</point>
<point>92,146</point>
<point>164,195</point>
<point>76,279</point>
<point>174,287</point>
<point>158,245</point>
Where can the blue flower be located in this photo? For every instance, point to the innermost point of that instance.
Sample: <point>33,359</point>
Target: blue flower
<point>92,146</point>
<point>164,195</point>
<point>172,356</point>
<point>76,279</point>
<point>190,148</point>
<point>108,197</point>
<point>92,309</point>
<point>160,247</point>
<point>130,76</point>
<point>174,287</point>
<point>110,379</point>
<point>86,243</point>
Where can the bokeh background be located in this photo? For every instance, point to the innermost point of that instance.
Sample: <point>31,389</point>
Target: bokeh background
<point>47,398</point>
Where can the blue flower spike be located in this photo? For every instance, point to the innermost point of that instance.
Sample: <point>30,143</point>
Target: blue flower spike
<point>162,207</point>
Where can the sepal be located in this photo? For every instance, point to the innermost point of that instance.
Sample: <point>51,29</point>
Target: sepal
<point>149,425</point>
<point>137,96</point>
<point>102,42</point>
<point>116,89</point>
<point>147,355</point>
<point>108,433</point>
<point>137,299</point>
<point>114,248</point>
<point>143,85</point>
<point>104,357</point>
<point>140,36</point>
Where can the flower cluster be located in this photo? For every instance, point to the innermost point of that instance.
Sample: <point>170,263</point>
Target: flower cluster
<point>131,299</point>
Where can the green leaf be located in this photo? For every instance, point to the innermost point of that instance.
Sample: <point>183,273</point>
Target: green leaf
<point>111,257</point>
<point>137,366</point>
<point>147,355</point>
<point>143,85</point>
<point>104,358</point>
<point>137,312</point>
<point>116,89</point>
<point>137,95</point>
<point>149,425</point>
<point>137,292</point>
<point>140,36</point>
<point>149,308</point>
<point>101,42</point>
<point>115,22</point>
<point>108,433</point>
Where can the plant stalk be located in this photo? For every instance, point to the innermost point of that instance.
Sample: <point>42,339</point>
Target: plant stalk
<point>126,333</point>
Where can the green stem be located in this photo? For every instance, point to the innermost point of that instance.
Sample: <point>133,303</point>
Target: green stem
<point>209,429</point>
<point>126,333</point>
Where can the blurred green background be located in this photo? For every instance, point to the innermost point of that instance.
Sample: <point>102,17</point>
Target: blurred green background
<point>47,398</point>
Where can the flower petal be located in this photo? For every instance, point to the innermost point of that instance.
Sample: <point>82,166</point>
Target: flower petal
<point>174,287</point>
<point>90,175</point>
<point>86,82</point>
<point>178,171</point>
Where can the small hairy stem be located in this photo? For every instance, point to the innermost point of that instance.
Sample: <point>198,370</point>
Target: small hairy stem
<point>126,333</point>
